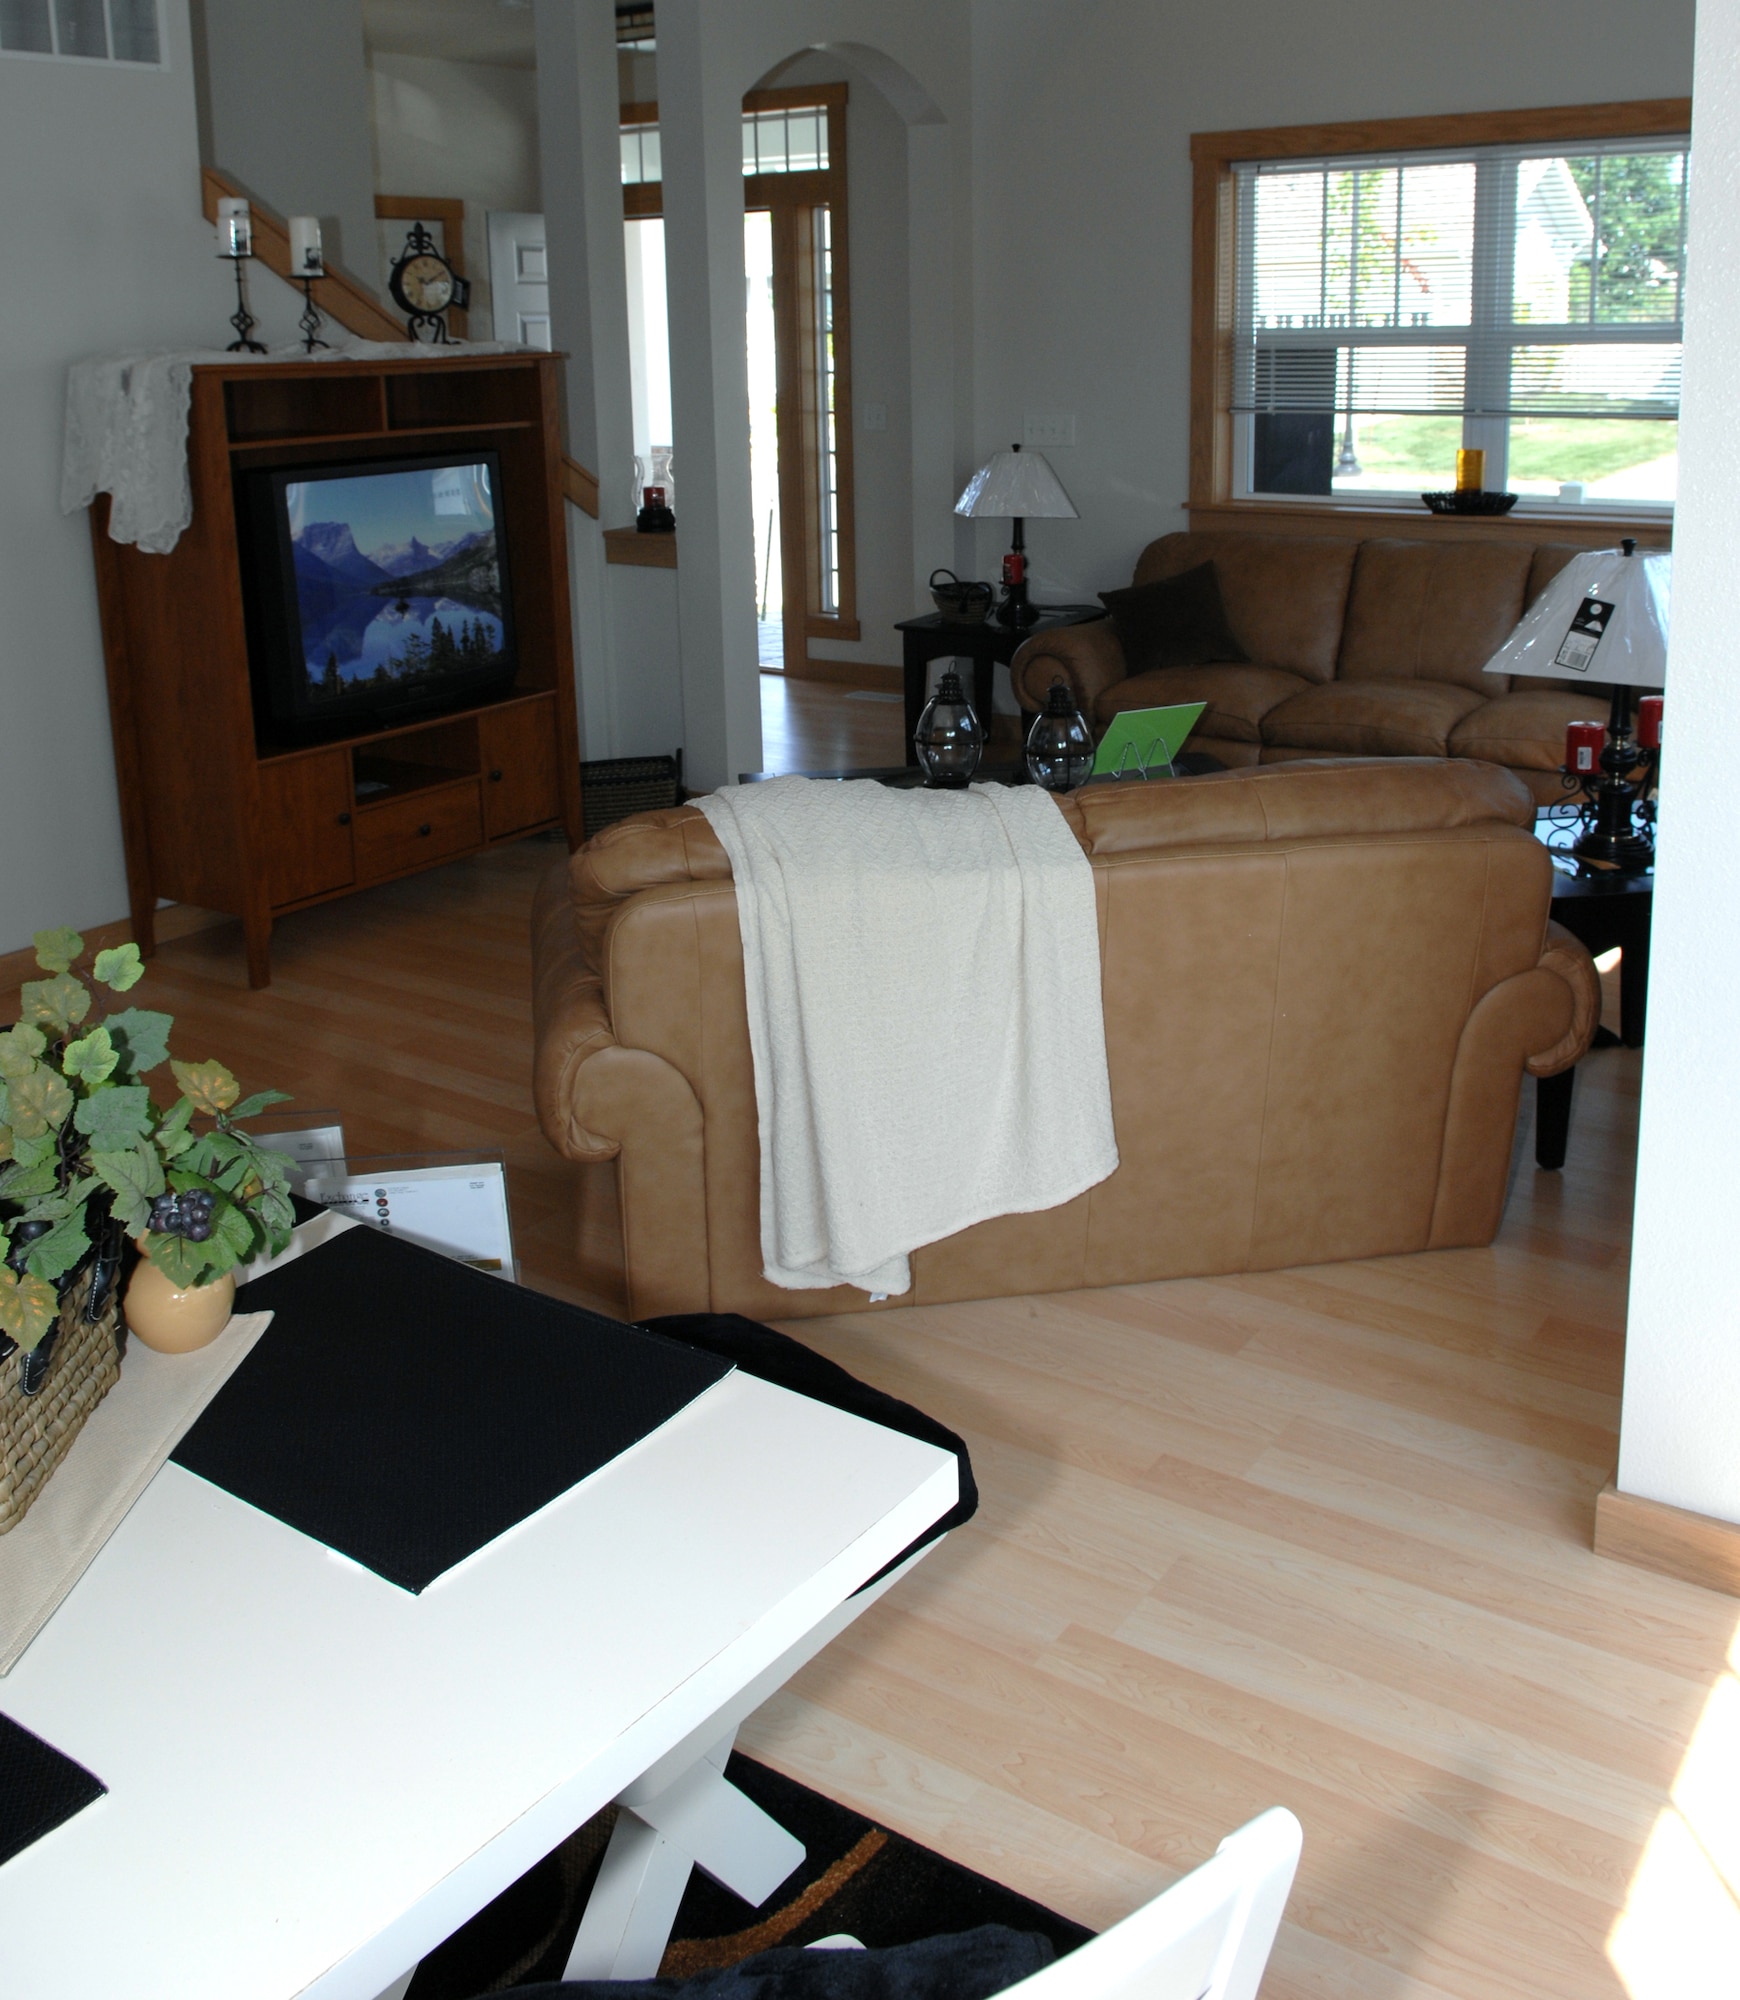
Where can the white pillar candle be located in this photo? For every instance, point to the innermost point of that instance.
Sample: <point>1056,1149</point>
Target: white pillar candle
<point>305,259</point>
<point>234,227</point>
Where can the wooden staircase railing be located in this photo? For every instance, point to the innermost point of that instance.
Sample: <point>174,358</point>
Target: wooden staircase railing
<point>340,297</point>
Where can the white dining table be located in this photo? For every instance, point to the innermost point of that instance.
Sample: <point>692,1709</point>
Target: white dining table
<point>314,1777</point>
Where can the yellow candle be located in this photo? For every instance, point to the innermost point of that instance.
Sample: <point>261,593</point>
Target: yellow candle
<point>1470,471</point>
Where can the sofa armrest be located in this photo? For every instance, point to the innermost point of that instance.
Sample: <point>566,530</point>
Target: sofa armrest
<point>1088,657</point>
<point>570,1023</point>
<point>1569,958</point>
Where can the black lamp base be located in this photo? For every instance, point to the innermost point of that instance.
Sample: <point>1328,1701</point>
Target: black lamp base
<point>1015,610</point>
<point>1611,837</point>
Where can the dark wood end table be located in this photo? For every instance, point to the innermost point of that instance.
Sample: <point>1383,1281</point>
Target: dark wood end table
<point>987,644</point>
<point>1604,910</point>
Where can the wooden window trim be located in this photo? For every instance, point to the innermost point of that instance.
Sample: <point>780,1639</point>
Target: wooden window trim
<point>1213,253</point>
<point>791,198</point>
<point>451,216</point>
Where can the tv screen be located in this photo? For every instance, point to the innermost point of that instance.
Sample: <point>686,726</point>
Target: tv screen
<point>378,590</point>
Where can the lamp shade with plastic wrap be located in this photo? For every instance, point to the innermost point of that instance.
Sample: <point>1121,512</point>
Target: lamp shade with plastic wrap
<point>1016,483</point>
<point>1603,618</point>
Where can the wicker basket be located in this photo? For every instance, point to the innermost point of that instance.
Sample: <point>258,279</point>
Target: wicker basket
<point>614,787</point>
<point>37,1432</point>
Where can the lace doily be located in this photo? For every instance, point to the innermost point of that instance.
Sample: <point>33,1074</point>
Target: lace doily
<point>126,429</point>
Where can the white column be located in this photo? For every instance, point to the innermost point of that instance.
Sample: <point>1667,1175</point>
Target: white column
<point>579,164</point>
<point>1680,1433</point>
<point>700,132</point>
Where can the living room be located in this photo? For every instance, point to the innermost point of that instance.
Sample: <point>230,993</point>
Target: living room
<point>1320,1536</point>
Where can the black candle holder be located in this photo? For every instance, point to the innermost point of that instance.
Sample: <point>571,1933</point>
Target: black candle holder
<point>1614,822</point>
<point>241,319</point>
<point>310,321</point>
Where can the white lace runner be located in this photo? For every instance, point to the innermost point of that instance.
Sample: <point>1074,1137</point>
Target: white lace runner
<point>126,429</point>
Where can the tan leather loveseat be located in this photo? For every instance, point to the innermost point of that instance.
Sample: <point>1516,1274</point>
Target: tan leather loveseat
<point>1322,987</point>
<point>1362,649</point>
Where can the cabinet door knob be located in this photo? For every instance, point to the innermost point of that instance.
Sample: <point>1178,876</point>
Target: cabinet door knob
<point>495,777</point>
<point>344,819</point>
<point>424,829</point>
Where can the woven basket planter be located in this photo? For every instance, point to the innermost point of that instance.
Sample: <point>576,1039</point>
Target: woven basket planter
<point>37,1432</point>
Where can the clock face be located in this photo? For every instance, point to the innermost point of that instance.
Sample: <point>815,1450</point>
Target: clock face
<point>425,284</point>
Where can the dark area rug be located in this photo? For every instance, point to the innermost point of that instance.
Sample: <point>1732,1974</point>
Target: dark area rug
<point>856,1877</point>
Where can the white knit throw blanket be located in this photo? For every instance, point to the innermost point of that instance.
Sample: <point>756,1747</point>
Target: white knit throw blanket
<point>922,972</point>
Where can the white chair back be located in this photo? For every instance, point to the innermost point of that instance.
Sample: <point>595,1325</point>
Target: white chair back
<point>1208,1937</point>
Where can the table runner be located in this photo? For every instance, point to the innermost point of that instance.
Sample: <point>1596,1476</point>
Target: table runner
<point>113,1459</point>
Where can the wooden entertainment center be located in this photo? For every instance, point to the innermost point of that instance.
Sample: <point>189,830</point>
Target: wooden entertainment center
<point>214,811</point>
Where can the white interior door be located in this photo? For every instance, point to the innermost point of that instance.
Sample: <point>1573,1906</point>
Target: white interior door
<point>519,278</point>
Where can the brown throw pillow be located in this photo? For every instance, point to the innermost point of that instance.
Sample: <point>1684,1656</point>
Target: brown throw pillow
<point>1178,622</point>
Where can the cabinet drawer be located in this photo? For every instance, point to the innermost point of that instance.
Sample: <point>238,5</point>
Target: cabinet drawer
<point>412,832</point>
<point>521,787</point>
<point>305,826</point>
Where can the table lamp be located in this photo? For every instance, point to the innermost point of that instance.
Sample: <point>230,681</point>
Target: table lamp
<point>1604,620</point>
<point>1015,486</point>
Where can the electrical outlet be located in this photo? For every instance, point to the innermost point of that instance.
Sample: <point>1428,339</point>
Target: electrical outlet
<point>875,416</point>
<point>1045,430</point>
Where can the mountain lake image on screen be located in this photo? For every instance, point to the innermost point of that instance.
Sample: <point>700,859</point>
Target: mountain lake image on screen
<point>398,581</point>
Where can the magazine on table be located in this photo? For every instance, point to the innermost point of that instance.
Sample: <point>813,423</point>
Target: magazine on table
<point>455,1203</point>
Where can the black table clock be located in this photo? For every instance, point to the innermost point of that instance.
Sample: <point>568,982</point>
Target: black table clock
<point>425,287</point>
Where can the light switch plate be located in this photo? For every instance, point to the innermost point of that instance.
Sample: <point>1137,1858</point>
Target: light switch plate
<point>875,416</point>
<point>1046,430</point>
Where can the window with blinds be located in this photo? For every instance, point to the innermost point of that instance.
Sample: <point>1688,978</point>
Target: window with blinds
<point>774,142</point>
<point>123,31</point>
<point>1525,300</point>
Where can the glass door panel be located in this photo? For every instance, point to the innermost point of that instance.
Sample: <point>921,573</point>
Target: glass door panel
<point>763,355</point>
<point>649,354</point>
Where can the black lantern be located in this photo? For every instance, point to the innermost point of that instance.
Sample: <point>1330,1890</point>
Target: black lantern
<point>1060,745</point>
<point>948,740</point>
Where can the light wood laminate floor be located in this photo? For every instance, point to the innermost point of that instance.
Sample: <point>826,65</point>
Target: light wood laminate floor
<point>1318,1537</point>
<point>818,726</point>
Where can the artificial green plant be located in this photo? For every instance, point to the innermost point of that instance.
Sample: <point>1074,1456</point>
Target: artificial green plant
<point>78,1124</point>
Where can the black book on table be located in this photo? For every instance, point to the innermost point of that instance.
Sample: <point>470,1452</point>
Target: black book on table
<point>405,1409</point>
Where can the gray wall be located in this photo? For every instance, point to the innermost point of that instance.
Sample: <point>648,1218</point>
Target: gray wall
<point>1082,122</point>
<point>286,104</point>
<point>467,131</point>
<point>105,251</point>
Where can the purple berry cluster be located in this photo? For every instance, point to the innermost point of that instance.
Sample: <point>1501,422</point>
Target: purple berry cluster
<point>187,1214</point>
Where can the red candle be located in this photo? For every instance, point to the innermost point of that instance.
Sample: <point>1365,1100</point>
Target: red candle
<point>1583,746</point>
<point>1649,722</point>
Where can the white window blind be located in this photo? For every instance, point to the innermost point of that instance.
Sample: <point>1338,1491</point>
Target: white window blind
<point>123,31</point>
<point>1494,290</point>
<point>791,141</point>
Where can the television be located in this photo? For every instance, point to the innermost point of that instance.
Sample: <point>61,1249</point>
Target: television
<point>375,592</point>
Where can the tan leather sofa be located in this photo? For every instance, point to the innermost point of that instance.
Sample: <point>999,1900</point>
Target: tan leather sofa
<point>1323,984</point>
<point>1363,649</point>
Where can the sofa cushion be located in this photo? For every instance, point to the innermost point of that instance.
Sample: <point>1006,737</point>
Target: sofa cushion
<point>1372,718</point>
<point>1238,697</point>
<point>1284,594</point>
<point>1433,611</point>
<point>1297,801</point>
<point>1175,621</point>
<point>1526,728</point>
